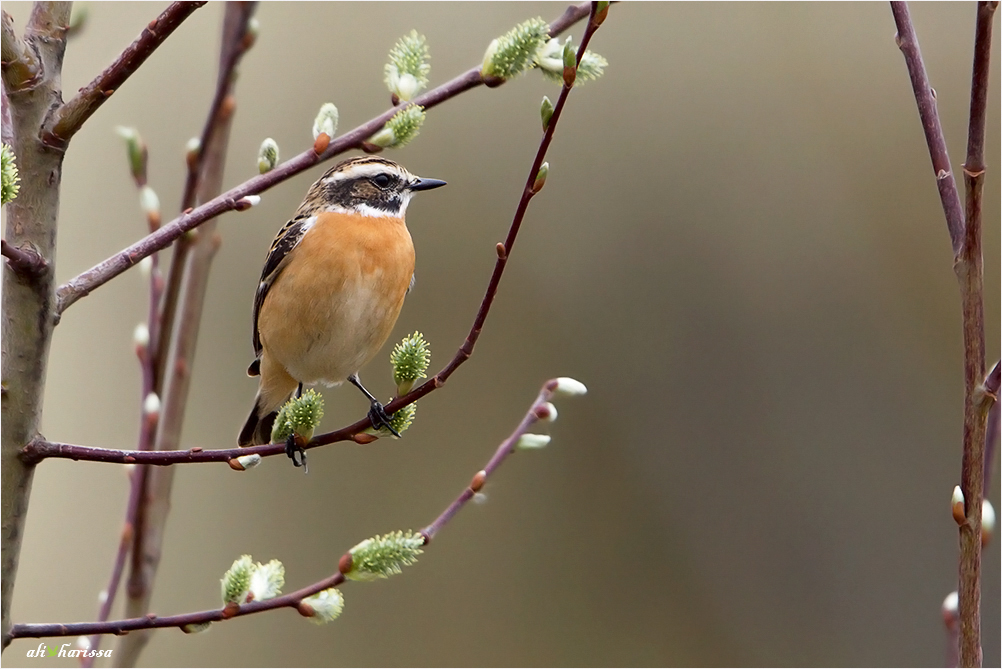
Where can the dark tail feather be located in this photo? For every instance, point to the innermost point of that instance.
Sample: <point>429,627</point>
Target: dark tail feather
<point>257,429</point>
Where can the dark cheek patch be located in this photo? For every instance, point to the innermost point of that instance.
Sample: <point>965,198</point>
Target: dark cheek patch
<point>351,194</point>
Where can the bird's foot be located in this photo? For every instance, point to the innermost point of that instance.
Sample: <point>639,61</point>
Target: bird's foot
<point>380,419</point>
<point>292,449</point>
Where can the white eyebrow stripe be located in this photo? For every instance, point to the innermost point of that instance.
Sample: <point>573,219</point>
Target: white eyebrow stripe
<point>368,170</point>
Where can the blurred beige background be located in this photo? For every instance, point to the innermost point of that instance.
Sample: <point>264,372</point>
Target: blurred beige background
<point>740,251</point>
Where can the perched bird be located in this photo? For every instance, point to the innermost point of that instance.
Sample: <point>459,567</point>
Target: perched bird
<point>332,287</point>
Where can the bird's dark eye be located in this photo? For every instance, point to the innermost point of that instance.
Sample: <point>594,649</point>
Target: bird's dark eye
<point>381,180</point>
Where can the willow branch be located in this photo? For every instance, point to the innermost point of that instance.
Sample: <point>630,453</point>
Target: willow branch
<point>196,163</point>
<point>537,411</point>
<point>233,199</point>
<point>170,376</point>
<point>147,426</point>
<point>925,96</point>
<point>965,235</point>
<point>41,449</point>
<point>68,118</point>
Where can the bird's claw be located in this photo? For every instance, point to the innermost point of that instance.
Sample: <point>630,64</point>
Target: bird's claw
<point>292,449</point>
<point>380,419</point>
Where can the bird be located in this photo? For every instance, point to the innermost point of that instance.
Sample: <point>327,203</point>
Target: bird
<point>332,287</point>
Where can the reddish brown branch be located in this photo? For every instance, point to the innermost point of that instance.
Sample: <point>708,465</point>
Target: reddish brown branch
<point>147,425</point>
<point>26,263</point>
<point>965,236</point>
<point>67,119</point>
<point>82,285</point>
<point>536,412</point>
<point>925,96</point>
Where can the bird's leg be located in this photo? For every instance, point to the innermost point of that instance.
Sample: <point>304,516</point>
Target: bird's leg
<point>292,448</point>
<point>377,414</point>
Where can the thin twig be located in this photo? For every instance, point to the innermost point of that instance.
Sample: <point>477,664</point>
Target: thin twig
<point>925,96</point>
<point>213,120</point>
<point>83,284</point>
<point>537,411</point>
<point>178,344</point>
<point>68,118</point>
<point>147,425</point>
<point>26,263</point>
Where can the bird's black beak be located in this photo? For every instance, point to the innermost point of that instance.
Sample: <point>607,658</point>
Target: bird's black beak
<point>425,184</point>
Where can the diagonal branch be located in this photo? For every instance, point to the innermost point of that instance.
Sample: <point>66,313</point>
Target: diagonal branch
<point>67,119</point>
<point>925,96</point>
<point>82,285</point>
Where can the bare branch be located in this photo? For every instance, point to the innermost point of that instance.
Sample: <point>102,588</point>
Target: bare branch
<point>106,270</point>
<point>965,236</point>
<point>68,118</point>
<point>925,96</point>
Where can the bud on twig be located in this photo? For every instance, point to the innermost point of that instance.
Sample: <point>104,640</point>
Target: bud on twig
<point>987,522</point>
<point>546,112</point>
<point>407,72</point>
<point>8,175</point>
<point>322,607</point>
<point>400,129</point>
<point>540,181</point>
<point>383,556</point>
<point>530,441</point>
<point>136,149</point>
<point>326,121</point>
<point>570,64</point>
<point>512,53</point>
<point>299,416</point>
<point>235,583</point>
<point>410,359</point>
<point>570,387</point>
<point>267,156</point>
<point>957,506</point>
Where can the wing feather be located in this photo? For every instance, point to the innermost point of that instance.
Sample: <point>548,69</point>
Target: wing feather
<point>285,241</point>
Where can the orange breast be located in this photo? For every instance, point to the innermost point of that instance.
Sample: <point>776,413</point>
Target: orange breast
<point>335,303</point>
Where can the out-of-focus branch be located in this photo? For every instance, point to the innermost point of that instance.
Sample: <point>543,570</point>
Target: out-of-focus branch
<point>171,377</point>
<point>233,199</point>
<point>149,412</point>
<point>28,305</point>
<point>68,118</point>
<point>540,410</point>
